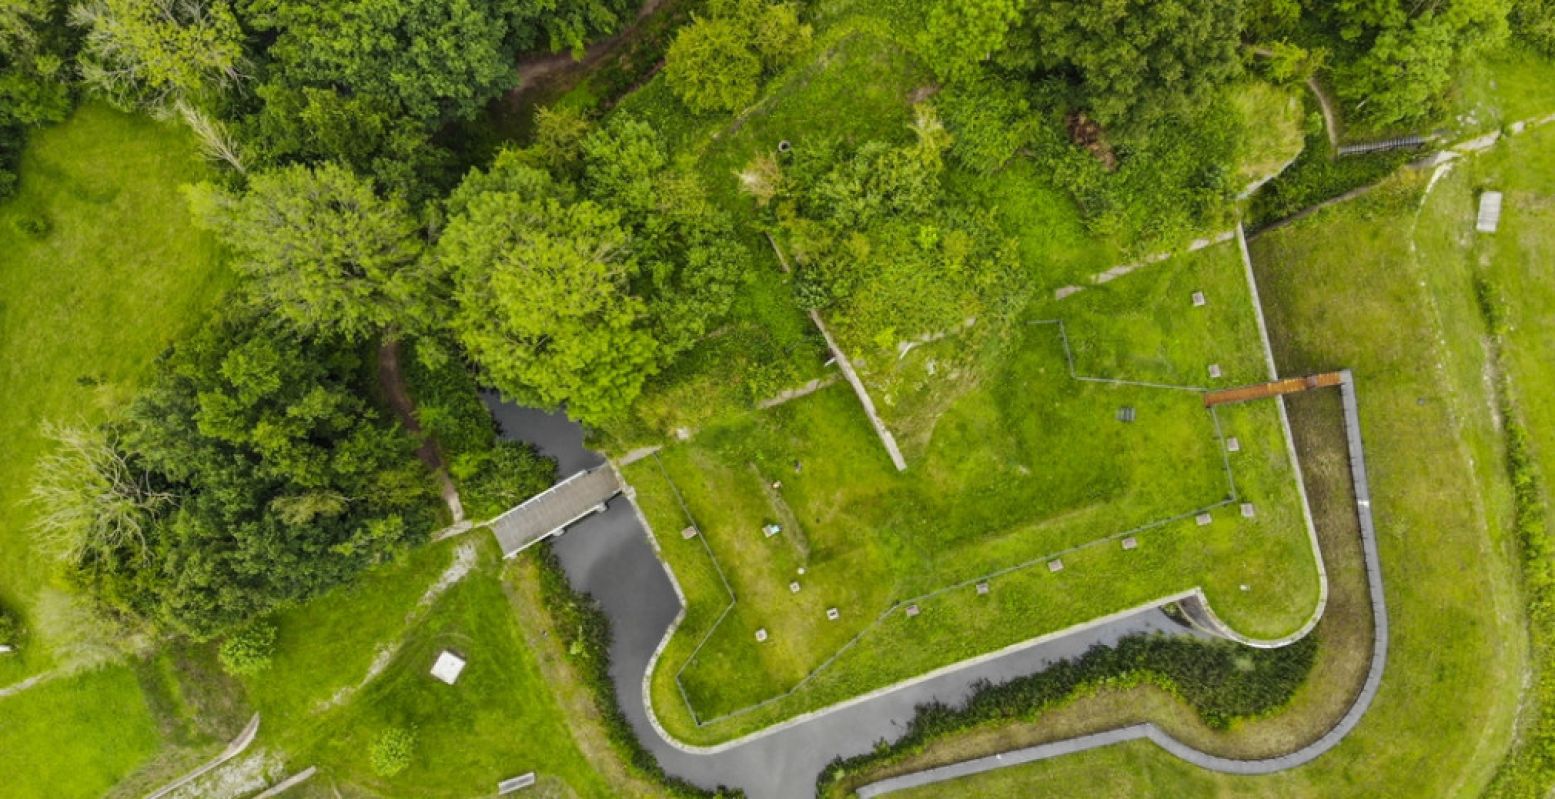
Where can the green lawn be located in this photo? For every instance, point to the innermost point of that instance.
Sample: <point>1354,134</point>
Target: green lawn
<point>1027,464</point>
<point>1370,286</point>
<point>83,311</point>
<point>498,721</point>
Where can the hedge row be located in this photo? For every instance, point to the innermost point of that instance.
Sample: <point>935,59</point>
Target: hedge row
<point>584,631</point>
<point>1220,680</point>
<point>1529,770</point>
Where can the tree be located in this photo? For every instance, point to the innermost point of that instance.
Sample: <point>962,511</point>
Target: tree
<point>94,502</point>
<point>1410,52</point>
<point>542,287</point>
<point>1534,22</point>
<point>711,67</point>
<point>283,481</point>
<point>319,247</point>
<point>961,34</point>
<point>436,60</point>
<point>248,651</point>
<point>1132,61</point>
<point>716,63</point>
<point>149,53</point>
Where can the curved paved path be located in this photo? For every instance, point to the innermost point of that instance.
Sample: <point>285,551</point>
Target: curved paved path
<point>613,560</point>
<point>1306,754</point>
<point>609,556</point>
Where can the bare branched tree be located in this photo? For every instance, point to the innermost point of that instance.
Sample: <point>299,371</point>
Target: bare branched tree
<point>90,498</point>
<point>215,141</point>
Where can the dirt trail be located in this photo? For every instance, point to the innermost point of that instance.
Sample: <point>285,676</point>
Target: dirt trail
<point>392,379</point>
<point>537,72</point>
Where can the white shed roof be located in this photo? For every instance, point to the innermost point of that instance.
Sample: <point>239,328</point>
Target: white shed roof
<point>1489,212</point>
<point>448,667</point>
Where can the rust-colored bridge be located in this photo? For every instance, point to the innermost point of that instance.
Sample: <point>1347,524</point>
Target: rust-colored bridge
<point>1290,385</point>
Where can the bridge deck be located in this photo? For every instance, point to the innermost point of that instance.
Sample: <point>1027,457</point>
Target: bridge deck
<point>1273,389</point>
<point>549,513</point>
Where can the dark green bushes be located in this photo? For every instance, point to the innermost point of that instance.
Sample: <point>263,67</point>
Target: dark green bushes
<point>585,633</point>
<point>1317,175</point>
<point>1220,680</point>
<point>12,633</point>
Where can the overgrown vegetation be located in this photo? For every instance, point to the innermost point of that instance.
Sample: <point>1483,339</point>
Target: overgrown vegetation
<point>1221,681</point>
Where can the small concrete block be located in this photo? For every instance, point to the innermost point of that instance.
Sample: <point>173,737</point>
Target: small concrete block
<point>771,530</point>
<point>1066,291</point>
<point>1248,511</point>
<point>793,587</point>
<point>1055,565</point>
<point>1126,413</point>
<point>1232,445</point>
<point>1131,543</point>
<point>688,533</point>
<point>1214,371</point>
<point>448,667</point>
<point>1198,299</point>
<point>912,610</point>
<point>1245,588</point>
<point>1203,518</point>
<point>833,614</point>
<point>982,588</point>
<point>761,635</point>
<point>518,783</point>
<point>801,571</point>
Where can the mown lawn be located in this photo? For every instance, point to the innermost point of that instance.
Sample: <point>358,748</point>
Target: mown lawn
<point>1372,286</point>
<point>84,309</point>
<point>1024,465</point>
<point>499,720</point>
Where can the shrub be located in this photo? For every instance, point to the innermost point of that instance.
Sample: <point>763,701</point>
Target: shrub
<point>248,651</point>
<point>392,751</point>
<point>33,226</point>
<point>495,479</point>
<point>990,120</point>
<point>711,67</point>
<point>12,632</point>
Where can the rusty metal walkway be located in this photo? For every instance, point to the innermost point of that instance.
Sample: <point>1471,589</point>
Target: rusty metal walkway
<point>549,513</point>
<point>1276,388</point>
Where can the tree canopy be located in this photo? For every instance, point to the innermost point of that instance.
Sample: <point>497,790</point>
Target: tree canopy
<point>716,63</point>
<point>1132,61</point>
<point>320,248</point>
<point>250,474</point>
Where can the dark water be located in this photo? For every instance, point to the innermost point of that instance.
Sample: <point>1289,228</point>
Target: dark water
<point>609,556</point>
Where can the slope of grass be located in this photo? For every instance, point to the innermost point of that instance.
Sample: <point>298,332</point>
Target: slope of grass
<point>1026,465</point>
<point>84,309</point>
<point>1348,288</point>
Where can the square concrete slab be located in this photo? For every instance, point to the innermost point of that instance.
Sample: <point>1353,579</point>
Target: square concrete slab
<point>761,635</point>
<point>1214,371</point>
<point>982,588</point>
<point>833,614</point>
<point>1126,413</point>
<point>1203,519</point>
<point>1232,445</point>
<point>1198,299</point>
<point>688,533</point>
<point>793,587</point>
<point>1055,565</point>
<point>1131,543</point>
<point>1247,510</point>
<point>448,667</point>
<point>912,610</point>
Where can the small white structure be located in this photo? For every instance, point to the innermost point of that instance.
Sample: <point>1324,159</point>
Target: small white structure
<point>761,636</point>
<point>1248,511</point>
<point>772,529</point>
<point>833,614</point>
<point>6,649</point>
<point>448,667</point>
<point>689,533</point>
<point>1214,371</point>
<point>1130,543</point>
<point>982,588</point>
<point>912,610</point>
<point>1055,565</point>
<point>1232,445</point>
<point>512,784</point>
<point>1199,300</point>
<point>1489,212</point>
<point>1203,519</point>
<point>793,587</point>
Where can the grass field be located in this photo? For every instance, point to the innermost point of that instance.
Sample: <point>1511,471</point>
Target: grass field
<point>322,708</point>
<point>1026,465</point>
<point>1374,286</point>
<point>84,309</point>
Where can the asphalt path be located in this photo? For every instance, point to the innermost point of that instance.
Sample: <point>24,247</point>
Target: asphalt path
<point>609,556</point>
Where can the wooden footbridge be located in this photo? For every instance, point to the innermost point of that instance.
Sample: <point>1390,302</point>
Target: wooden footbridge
<point>1275,388</point>
<point>551,512</point>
